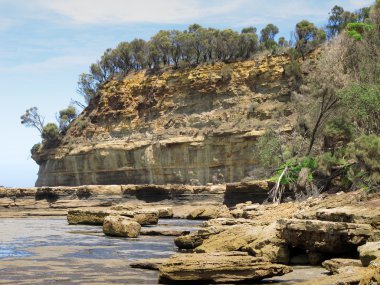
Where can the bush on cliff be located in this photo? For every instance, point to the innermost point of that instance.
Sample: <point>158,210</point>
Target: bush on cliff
<point>365,172</point>
<point>36,148</point>
<point>50,135</point>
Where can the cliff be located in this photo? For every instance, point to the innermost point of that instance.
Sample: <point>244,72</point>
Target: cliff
<point>187,126</point>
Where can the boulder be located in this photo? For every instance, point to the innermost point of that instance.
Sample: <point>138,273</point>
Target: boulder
<point>190,241</point>
<point>326,237</point>
<point>120,226</point>
<point>165,212</point>
<point>89,216</point>
<point>233,238</point>
<point>149,264</point>
<point>368,252</point>
<point>333,265</point>
<point>146,217</point>
<point>259,241</point>
<point>96,216</point>
<point>303,177</point>
<point>221,267</point>
<point>210,212</point>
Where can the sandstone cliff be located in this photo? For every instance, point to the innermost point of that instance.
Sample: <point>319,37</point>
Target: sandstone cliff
<point>186,126</point>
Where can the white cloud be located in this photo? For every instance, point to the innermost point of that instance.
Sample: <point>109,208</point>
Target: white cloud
<point>126,11</point>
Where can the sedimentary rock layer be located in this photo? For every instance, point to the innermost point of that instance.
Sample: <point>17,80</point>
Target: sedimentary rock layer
<point>186,126</point>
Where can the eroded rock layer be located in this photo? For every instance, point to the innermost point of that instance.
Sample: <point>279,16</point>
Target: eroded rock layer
<point>187,126</point>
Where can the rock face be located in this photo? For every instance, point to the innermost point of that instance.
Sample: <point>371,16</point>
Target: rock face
<point>322,236</point>
<point>121,227</point>
<point>185,126</point>
<point>232,267</point>
<point>350,214</point>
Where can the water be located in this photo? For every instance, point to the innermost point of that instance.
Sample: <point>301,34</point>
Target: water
<point>48,250</point>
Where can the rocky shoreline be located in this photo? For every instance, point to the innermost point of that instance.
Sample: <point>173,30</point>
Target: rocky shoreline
<point>245,242</point>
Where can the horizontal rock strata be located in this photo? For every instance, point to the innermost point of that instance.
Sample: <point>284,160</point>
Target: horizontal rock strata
<point>182,126</point>
<point>96,216</point>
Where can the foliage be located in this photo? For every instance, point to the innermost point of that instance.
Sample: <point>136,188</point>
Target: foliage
<point>361,48</point>
<point>366,152</point>
<point>66,116</point>
<point>267,36</point>
<point>36,148</point>
<point>87,86</point>
<point>32,118</point>
<point>293,170</point>
<point>293,69</point>
<point>269,149</point>
<point>326,161</point>
<point>171,47</point>
<point>308,36</point>
<point>362,102</point>
<point>339,19</point>
<point>50,134</point>
<point>357,30</point>
<point>338,129</point>
<point>81,123</point>
<point>323,83</point>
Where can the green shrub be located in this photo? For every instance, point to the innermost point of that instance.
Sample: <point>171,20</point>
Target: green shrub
<point>339,129</point>
<point>36,148</point>
<point>366,170</point>
<point>81,123</point>
<point>294,168</point>
<point>357,30</point>
<point>293,69</point>
<point>362,102</point>
<point>50,134</point>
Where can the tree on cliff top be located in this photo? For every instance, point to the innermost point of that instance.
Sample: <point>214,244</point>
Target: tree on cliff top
<point>33,119</point>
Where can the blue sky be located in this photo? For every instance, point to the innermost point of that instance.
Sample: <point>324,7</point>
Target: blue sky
<point>46,44</point>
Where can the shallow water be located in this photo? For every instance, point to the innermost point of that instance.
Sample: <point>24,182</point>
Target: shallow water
<point>48,250</point>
